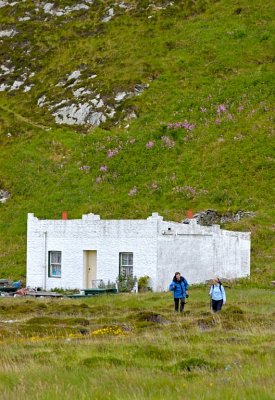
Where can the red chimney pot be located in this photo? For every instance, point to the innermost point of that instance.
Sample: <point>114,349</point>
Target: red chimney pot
<point>64,215</point>
<point>190,214</point>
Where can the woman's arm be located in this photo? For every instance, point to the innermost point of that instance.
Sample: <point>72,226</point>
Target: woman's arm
<point>211,290</point>
<point>172,286</point>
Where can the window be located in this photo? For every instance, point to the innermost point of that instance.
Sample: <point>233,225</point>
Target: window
<point>126,264</point>
<point>55,264</point>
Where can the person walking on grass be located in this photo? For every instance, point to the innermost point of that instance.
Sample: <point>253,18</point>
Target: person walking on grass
<point>217,295</point>
<point>179,286</point>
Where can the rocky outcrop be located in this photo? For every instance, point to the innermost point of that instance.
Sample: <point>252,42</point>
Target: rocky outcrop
<point>87,106</point>
<point>211,217</point>
<point>4,195</point>
<point>78,98</point>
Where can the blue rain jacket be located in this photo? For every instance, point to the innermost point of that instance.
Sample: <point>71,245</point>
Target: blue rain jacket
<point>179,288</point>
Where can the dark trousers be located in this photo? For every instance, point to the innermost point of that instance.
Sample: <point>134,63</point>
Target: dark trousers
<point>182,302</point>
<point>217,305</point>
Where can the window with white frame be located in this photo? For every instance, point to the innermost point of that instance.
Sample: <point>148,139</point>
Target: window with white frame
<point>126,264</point>
<point>55,264</point>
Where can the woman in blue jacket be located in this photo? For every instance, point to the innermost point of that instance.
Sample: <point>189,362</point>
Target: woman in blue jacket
<point>179,286</point>
<point>217,293</point>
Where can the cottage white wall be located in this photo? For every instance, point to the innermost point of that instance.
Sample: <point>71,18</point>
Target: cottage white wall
<point>35,255</point>
<point>200,253</point>
<point>159,249</point>
<point>73,237</point>
<point>190,255</point>
<point>245,250</point>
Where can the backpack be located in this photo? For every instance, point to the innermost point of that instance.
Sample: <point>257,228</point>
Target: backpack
<point>220,285</point>
<point>182,279</point>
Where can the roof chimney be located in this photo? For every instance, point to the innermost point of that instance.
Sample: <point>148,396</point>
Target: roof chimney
<point>189,214</point>
<point>64,215</point>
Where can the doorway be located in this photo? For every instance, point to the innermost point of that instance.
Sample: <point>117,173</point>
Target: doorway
<point>90,260</point>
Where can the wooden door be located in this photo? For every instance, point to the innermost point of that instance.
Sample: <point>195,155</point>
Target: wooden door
<point>91,256</point>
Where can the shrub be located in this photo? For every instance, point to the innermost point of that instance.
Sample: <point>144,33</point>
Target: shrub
<point>125,284</point>
<point>143,284</point>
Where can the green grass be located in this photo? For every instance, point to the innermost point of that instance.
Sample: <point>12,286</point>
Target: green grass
<point>107,347</point>
<point>195,55</point>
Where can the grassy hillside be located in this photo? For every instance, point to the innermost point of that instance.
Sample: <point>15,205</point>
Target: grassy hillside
<point>135,347</point>
<point>199,135</point>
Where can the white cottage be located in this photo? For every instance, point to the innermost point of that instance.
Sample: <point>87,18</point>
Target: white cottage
<point>75,253</point>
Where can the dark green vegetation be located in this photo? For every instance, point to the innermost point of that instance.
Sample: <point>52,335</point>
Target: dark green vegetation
<point>210,63</point>
<point>132,346</point>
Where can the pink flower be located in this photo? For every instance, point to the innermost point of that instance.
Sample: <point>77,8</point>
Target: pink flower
<point>203,109</point>
<point>190,190</point>
<point>98,179</point>
<point>150,144</point>
<point>241,107</point>
<point>103,168</point>
<point>221,108</point>
<point>168,142</point>
<point>133,191</point>
<point>186,125</point>
<point>112,153</point>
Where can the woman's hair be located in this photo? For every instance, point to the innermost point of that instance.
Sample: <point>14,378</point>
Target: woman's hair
<point>175,277</point>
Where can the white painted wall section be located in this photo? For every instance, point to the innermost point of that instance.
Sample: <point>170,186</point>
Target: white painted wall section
<point>160,248</point>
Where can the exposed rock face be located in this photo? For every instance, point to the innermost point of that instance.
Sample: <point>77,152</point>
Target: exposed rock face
<point>211,217</point>
<point>4,195</point>
<point>50,8</point>
<point>4,3</point>
<point>78,98</point>
<point>8,33</point>
<point>79,114</point>
<point>109,15</point>
<point>6,70</point>
<point>88,107</point>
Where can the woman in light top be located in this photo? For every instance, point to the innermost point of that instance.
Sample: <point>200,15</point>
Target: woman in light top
<point>217,293</point>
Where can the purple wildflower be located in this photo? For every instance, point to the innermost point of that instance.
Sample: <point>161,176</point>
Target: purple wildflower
<point>103,168</point>
<point>150,144</point>
<point>112,153</point>
<point>98,179</point>
<point>133,191</point>
<point>190,191</point>
<point>186,125</point>
<point>221,108</point>
<point>168,142</point>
